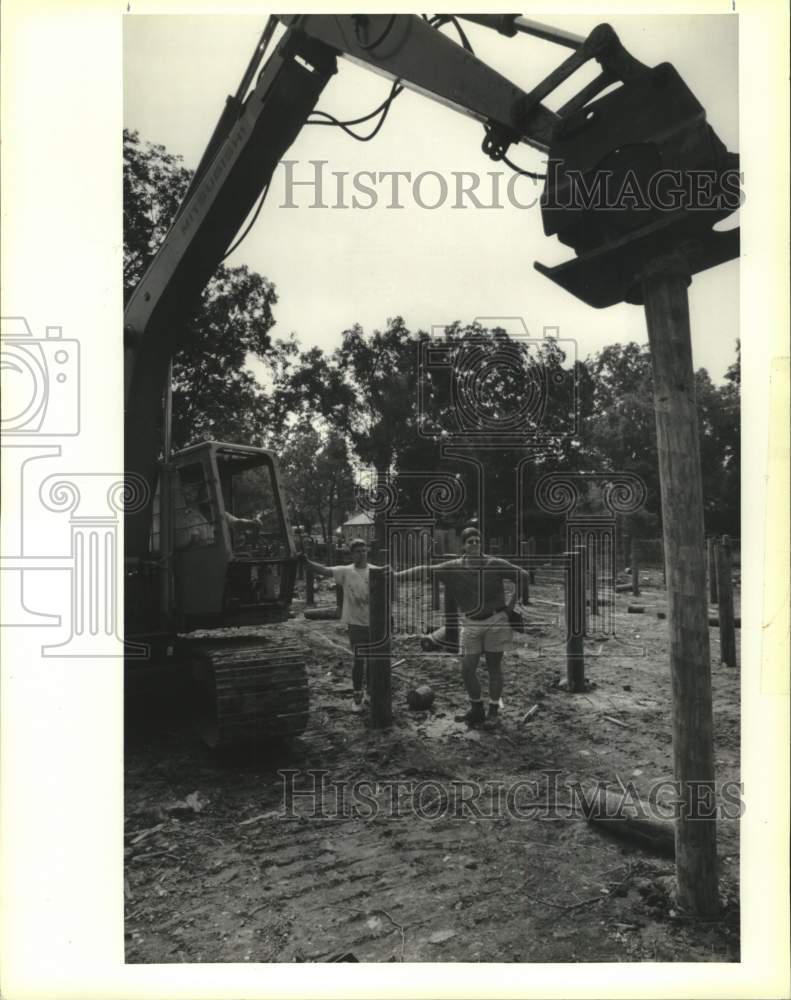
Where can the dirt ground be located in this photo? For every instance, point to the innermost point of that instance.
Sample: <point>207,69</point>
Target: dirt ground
<point>218,870</point>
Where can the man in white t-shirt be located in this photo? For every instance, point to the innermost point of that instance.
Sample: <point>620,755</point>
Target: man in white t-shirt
<point>356,608</point>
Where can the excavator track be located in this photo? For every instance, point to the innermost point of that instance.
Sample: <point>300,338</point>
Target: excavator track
<point>249,688</point>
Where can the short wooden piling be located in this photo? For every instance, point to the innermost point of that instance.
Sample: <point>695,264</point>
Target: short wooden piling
<point>310,582</point>
<point>531,553</point>
<point>727,620</point>
<point>379,659</point>
<point>593,577</point>
<point>635,565</point>
<point>711,553</point>
<point>435,603</point>
<point>575,621</point>
<point>451,615</point>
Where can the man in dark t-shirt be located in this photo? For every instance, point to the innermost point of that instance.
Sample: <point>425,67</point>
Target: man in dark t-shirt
<point>476,583</point>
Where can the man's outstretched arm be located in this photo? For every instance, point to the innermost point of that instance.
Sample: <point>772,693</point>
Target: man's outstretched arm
<point>235,521</point>
<point>412,573</point>
<point>415,572</point>
<point>319,569</point>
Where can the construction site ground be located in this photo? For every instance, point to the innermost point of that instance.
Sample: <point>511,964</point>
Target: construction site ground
<point>218,870</point>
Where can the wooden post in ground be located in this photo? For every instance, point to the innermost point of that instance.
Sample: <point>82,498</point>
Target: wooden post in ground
<point>380,685</point>
<point>575,621</point>
<point>725,604</point>
<point>434,592</point>
<point>531,552</point>
<point>664,292</point>
<point>635,565</point>
<point>310,596</point>
<point>712,560</point>
<point>593,576</point>
<point>451,622</point>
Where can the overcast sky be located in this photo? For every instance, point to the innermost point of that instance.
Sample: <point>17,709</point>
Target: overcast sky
<point>333,266</point>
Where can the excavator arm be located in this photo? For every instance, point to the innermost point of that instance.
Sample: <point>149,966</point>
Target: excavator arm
<point>260,124</point>
<point>254,133</point>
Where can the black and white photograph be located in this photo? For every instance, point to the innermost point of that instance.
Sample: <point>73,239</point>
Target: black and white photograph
<point>396,530</point>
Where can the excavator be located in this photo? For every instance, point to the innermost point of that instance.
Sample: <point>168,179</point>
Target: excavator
<point>212,549</point>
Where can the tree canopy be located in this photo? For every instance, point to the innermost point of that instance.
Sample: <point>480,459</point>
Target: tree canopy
<point>215,395</point>
<point>389,400</point>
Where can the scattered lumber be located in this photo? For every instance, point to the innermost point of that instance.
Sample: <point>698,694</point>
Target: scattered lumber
<point>625,816</point>
<point>322,614</point>
<point>617,722</point>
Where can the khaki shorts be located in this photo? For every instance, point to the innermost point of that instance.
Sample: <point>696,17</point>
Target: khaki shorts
<point>487,635</point>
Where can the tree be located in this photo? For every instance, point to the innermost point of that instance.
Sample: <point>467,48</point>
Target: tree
<point>364,392</point>
<point>620,434</point>
<point>215,395</point>
<point>309,385</point>
<point>317,476</point>
<point>503,402</point>
<point>153,185</point>
<point>718,409</point>
<point>398,415</point>
<point>381,372</point>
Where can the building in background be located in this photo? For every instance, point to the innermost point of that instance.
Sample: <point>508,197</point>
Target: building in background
<point>359,525</point>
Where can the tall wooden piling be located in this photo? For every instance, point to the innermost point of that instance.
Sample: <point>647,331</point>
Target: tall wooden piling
<point>635,565</point>
<point>379,660</point>
<point>664,292</point>
<point>725,604</point>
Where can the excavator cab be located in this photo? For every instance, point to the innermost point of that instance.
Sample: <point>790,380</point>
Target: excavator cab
<point>233,555</point>
<point>224,547</point>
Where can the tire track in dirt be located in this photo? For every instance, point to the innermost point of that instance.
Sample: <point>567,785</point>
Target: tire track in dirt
<point>509,888</point>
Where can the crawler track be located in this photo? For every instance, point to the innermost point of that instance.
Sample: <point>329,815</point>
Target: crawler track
<point>249,689</point>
